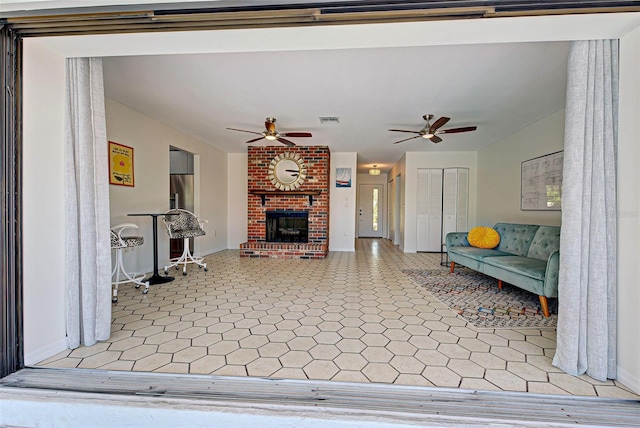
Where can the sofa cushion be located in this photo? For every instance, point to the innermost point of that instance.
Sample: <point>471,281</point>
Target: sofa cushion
<point>532,268</point>
<point>476,253</point>
<point>515,238</point>
<point>472,257</point>
<point>483,237</point>
<point>545,242</point>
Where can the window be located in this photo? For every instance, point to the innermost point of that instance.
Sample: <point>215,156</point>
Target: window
<point>374,217</point>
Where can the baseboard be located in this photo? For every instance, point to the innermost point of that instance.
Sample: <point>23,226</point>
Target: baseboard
<point>628,379</point>
<point>346,249</point>
<point>45,352</point>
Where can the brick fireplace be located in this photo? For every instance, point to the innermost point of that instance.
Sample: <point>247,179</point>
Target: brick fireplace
<point>309,201</point>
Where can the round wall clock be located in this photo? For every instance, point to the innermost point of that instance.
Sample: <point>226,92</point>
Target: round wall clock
<point>287,171</point>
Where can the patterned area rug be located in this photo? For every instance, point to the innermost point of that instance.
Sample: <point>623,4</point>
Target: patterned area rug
<point>476,298</point>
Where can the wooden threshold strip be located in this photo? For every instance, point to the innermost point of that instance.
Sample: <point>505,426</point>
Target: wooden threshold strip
<point>391,403</point>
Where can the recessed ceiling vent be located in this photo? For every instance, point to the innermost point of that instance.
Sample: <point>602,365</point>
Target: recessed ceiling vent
<point>329,120</point>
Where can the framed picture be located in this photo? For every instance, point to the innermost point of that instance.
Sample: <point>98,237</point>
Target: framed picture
<point>120,164</point>
<point>542,183</point>
<point>343,177</point>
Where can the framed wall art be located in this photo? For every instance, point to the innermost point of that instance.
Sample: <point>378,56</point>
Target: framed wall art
<point>542,183</point>
<point>120,165</point>
<point>343,177</point>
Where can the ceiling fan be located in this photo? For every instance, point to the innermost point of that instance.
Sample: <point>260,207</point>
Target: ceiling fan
<point>271,134</point>
<point>431,131</point>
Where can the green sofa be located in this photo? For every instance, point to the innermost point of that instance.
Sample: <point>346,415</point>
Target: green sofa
<point>527,257</point>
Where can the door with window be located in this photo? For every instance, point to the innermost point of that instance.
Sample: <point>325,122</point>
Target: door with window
<point>370,211</point>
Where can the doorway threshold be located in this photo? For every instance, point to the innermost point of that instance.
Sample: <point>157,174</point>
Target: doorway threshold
<point>299,402</point>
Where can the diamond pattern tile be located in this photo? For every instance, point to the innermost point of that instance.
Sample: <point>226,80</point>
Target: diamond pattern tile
<point>353,317</point>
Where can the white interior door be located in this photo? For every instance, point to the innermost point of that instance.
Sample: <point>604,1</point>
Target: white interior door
<point>391,212</point>
<point>429,210</point>
<point>455,197</point>
<point>370,211</point>
<point>398,234</point>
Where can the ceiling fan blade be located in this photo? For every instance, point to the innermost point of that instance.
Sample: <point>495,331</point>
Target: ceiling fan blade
<point>254,140</point>
<point>435,139</point>
<point>402,130</point>
<point>438,123</point>
<point>243,130</point>
<point>286,142</point>
<point>456,130</point>
<point>406,139</point>
<point>297,134</point>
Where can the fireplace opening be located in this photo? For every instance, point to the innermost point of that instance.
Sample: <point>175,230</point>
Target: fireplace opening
<point>287,226</point>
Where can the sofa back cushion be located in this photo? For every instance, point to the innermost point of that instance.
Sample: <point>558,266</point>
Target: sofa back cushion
<point>545,242</point>
<point>515,238</point>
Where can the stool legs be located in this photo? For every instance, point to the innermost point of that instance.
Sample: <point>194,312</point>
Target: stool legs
<point>119,270</point>
<point>185,259</point>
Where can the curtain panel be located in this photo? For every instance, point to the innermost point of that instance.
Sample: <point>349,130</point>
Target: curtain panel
<point>586,335</point>
<point>88,264</point>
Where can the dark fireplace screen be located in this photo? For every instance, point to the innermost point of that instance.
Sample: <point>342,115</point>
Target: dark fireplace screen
<point>287,226</point>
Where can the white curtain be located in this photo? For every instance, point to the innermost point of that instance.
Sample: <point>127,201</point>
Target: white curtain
<point>587,283</point>
<point>88,264</point>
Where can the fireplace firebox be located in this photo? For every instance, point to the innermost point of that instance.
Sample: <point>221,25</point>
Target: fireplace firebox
<point>287,226</point>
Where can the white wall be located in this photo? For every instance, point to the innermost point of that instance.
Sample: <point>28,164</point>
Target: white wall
<point>416,160</point>
<point>499,172</point>
<point>43,207</point>
<point>238,200</point>
<point>150,140</point>
<point>342,204</point>
<point>629,213</point>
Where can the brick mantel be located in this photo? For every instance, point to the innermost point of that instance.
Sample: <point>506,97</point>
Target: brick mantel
<point>311,196</point>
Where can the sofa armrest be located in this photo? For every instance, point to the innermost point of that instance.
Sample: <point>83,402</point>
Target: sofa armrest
<point>551,275</point>
<point>457,239</point>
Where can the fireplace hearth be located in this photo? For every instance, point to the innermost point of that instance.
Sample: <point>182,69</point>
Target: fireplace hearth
<point>287,226</point>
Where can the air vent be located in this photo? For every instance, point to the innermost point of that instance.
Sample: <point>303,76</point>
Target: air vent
<point>328,120</point>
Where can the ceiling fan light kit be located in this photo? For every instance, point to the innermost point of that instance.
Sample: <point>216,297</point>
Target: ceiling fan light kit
<point>430,132</point>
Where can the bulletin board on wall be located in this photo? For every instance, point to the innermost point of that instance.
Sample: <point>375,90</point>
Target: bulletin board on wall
<point>541,180</point>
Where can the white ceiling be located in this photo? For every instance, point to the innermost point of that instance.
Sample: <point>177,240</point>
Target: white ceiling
<point>500,88</point>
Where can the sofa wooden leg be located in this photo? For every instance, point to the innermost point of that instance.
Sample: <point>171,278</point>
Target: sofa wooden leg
<point>453,264</point>
<point>500,284</point>
<point>545,305</point>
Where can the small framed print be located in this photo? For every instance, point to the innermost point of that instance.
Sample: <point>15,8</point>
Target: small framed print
<point>343,177</point>
<point>120,165</point>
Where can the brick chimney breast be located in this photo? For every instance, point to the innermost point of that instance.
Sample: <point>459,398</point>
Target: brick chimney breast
<point>317,162</point>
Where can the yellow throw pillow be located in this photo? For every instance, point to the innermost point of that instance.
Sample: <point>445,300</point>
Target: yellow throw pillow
<point>483,237</point>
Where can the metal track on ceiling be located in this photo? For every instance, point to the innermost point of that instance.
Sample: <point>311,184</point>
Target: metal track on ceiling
<point>177,17</point>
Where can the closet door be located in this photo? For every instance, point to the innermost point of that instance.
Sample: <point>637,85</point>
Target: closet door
<point>463,200</point>
<point>450,201</point>
<point>429,210</point>
<point>455,195</point>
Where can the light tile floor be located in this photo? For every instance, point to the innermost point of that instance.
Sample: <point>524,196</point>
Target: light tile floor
<point>351,317</point>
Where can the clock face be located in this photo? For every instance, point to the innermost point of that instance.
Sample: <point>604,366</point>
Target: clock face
<point>287,171</point>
